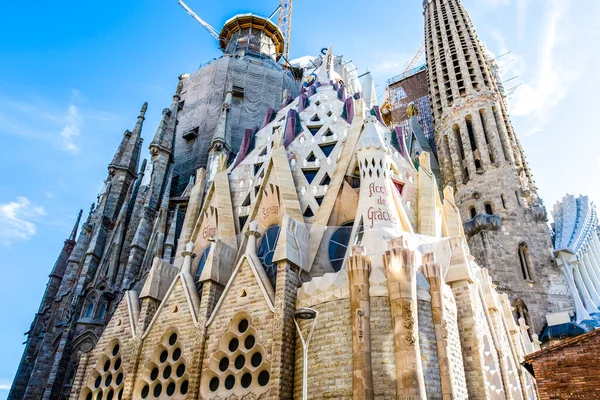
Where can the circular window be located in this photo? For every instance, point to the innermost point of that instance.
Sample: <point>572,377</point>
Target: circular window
<point>98,382</point>
<point>223,364</point>
<point>214,384</point>
<point>180,370</point>
<point>240,361</point>
<point>173,339</point>
<point>256,359</point>
<point>99,396</point>
<point>338,245</point>
<point>119,379</point>
<point>167,372</point>
<point>106,365</point>
<point>154,374</point>
<point>243,326</point>
<point>267,250</point>
<point>176,354</point>
<point>249,342</point>
<point>263,378</point>
<point>108,380</point>
<point>117,363</point>
<point>115,350</point>
<point>171,389</point>
<point>184,387</point>
<point>110,395</point>
<point>120,396</point>
<point>145,391</point>
<point>234,344</point>
<point>163,356</point>
<point>88,397</point>
<point>246,380</point>
<point>157,390</point>
<point>229,382</point>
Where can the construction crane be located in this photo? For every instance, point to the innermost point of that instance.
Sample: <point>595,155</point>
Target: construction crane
<point>205,24</point>
<point>416,58</point>
<point>285,25</point>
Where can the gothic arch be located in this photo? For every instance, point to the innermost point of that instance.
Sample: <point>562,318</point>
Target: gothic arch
<point>83,344</point>
<point>521,311</point>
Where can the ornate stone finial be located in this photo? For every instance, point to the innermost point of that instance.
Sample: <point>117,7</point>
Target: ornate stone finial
<point>428,258</point>
<point>412,110</point>
<point>74,231</point>
<point>188,254</point>
<point>143,110</point>
<point>92,207</point>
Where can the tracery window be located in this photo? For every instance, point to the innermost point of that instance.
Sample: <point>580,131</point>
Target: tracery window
<point>267,250</point>
<point>106,381</point>
<point>239,366</point>
<point>338,244</point>
<point>165,375</point>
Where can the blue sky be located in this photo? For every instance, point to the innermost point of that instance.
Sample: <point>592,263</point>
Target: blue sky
<point>73,76</point>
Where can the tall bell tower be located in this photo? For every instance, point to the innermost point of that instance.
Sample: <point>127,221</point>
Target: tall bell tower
<point>481,157</point>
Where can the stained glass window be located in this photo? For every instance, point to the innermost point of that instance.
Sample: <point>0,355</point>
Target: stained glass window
<point>338,245</point>
<point>267,250</point>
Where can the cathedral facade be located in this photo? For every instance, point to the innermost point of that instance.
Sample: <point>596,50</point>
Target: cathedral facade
<point>284,242</point>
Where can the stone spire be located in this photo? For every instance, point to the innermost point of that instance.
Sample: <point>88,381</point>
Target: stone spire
<point>481,158</point>
<point>73,235</point>
<point>127,156</point>
<point>165,134</point>
<point>369,93</point>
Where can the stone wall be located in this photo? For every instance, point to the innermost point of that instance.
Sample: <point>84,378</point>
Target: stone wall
<point>329,355</point>
<point>429,353</point>
<point>382,349</point>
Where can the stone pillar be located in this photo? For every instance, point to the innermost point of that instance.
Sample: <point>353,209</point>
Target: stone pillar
<point>583,293</point>
<point>595,247</point>
<point>433,274</point>
<point>503,133</point>
<point>284,331</point>
<point>580,311</point>
<point>587,280</point>
<point>457,163</point>
<point>400,271</point>
<point>466,142</point>
<point>359,270</point>
<point>590,264</point>
<point>482,145</point>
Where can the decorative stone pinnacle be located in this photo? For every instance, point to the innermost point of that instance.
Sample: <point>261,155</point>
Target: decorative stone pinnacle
<point>143,110</point>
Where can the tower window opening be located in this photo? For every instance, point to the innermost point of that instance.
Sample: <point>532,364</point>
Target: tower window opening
<point>471,133</point>
<point>485,134</point>
<point>473,212</point>
<point>503,201</point>
<point>461,150</point>
<point>525,260</point>
<point>488,209</point>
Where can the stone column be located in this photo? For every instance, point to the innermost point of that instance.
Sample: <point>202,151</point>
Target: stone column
<point>466,142</point>
<point>482,145</point>
<point>493,136</point>
<point>587,280</point>
<point>580,311</point>
<point>400,271</point>
<point>457,163</point>
<point>596,253</point>
<point>359,270</point>
<point>583,293</point>
<point>284,331</point>
<point>433,274</point>
<point>589,263</point>
<point>503,133</point>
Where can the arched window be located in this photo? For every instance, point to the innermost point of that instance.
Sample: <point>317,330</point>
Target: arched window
<point>473,211</point>
<point>267,250</point>
<point>525,261</point>
<point>102,310</point>
<point>338,245</point>
<point>488,209</point>
<point>88,309</point>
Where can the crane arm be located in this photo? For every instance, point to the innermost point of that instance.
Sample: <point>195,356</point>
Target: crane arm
<point>205,24</point>
<point>416,58</point>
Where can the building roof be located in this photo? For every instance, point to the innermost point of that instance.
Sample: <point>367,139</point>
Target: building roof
<point>243,21</point>
<point>561,345</point>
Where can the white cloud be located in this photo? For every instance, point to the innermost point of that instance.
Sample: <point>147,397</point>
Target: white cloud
<point>554,70</point>
<point>4,386</point>
<point>17,220</point>
<point>73,124</point>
